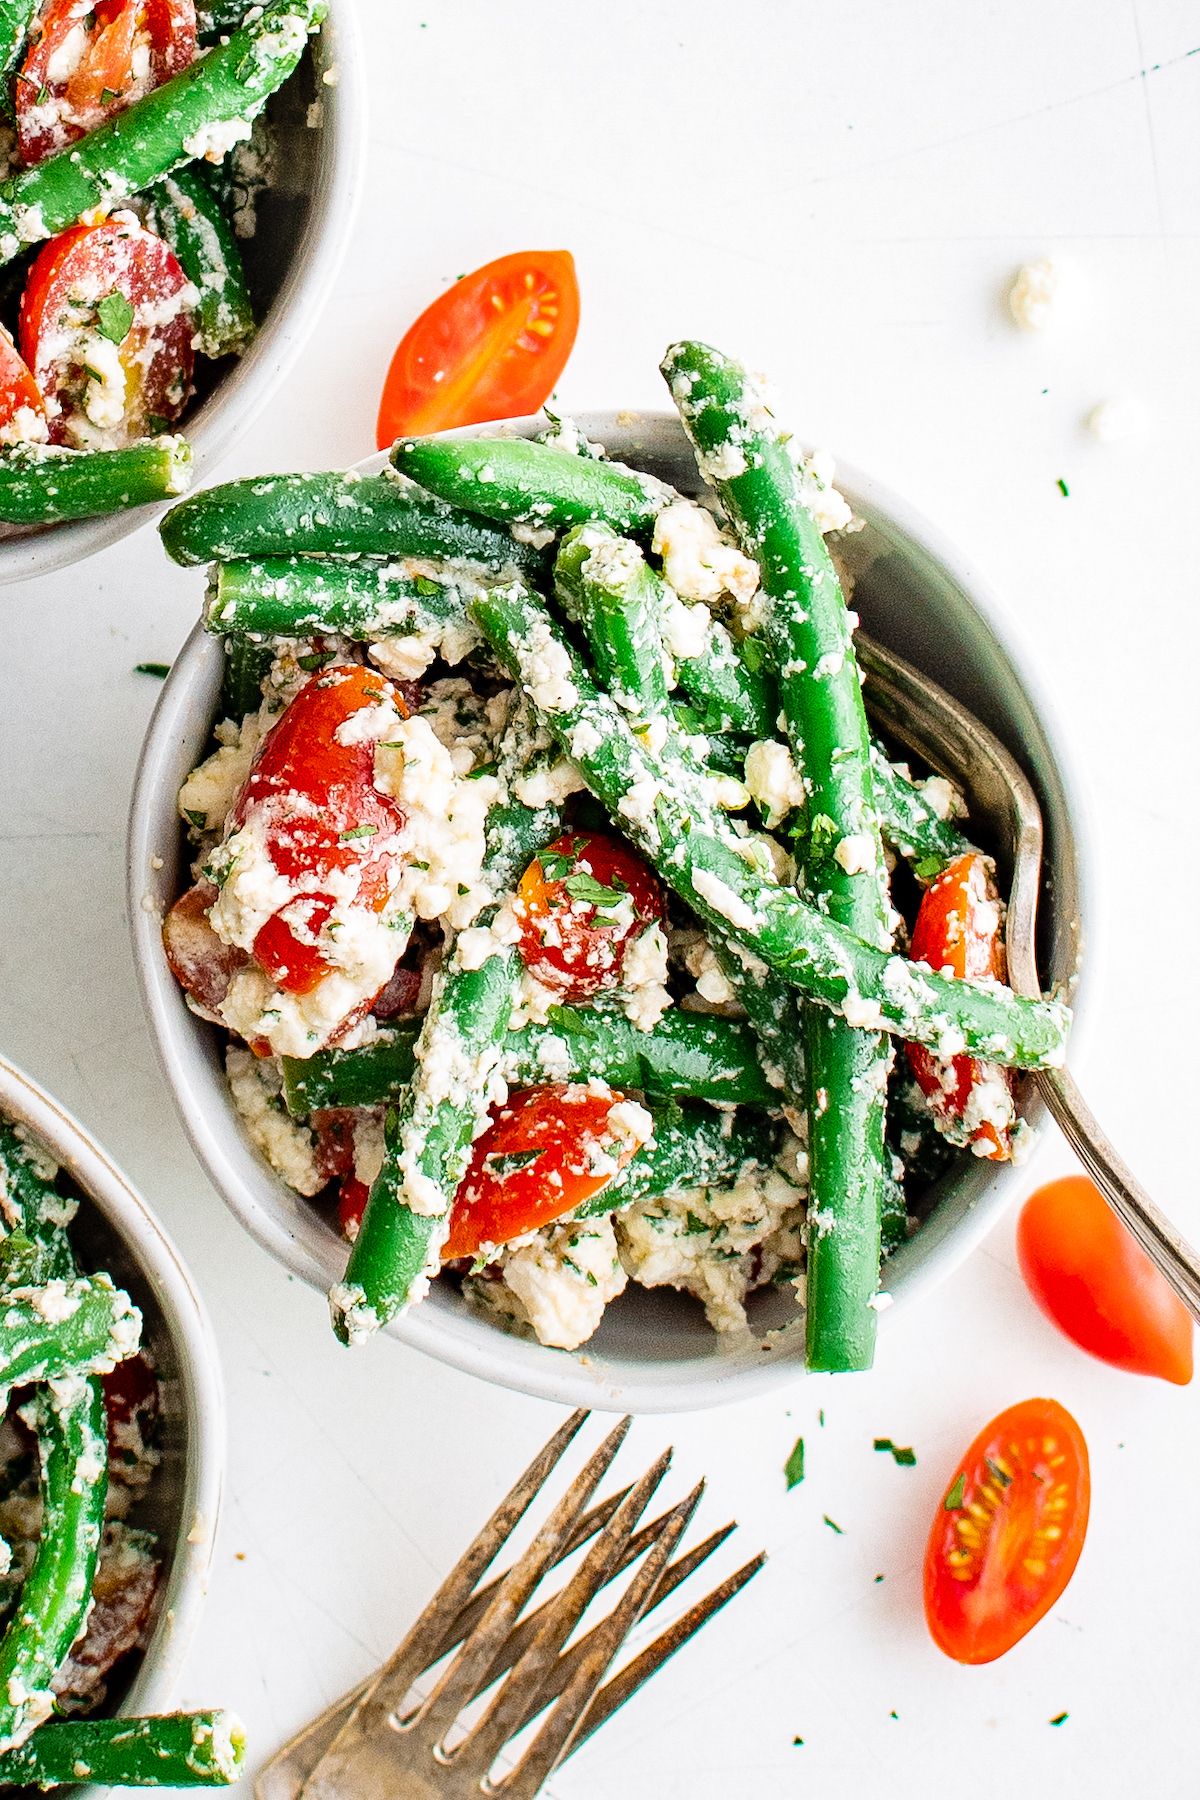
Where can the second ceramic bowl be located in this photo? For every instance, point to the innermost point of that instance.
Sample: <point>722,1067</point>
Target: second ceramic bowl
<point>653,1351</point>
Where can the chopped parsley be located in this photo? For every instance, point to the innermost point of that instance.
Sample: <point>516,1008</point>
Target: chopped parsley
<point>585,887</point>
<point>114,316</point>
<point>1065,491</point>
<point>901,1454</point>
<point>107,94</point>
<point>317,660</point>
<point>357,831</point>
<point>997,1473</point>
<point>753,653</point>
<point>162,670</point>
<point>954,1498</point>
<point>427,587</point>
<point>832,1526</point>
<point>565,1018</point>
<point>793,1468</point>
<point>1059,1718</point>
<point>197,818</point>
<point>796,1741</point>
<point>483,769</point>
<point>927,868</point>
<point>555,865</point>
<point>502,1166</point>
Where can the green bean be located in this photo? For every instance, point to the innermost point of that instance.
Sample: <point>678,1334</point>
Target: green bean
<point>693,1146</point>
<point>725,691</point>
<point>15,19</point>
<point>37,1249</point>
<point>246,666</point>
<point>333,514</point>
<point>428,1143</point>
<point>369,597</point>
<point>54,1601</point>
<point>908,820</point>
<point>188,216</point>
<point>697,1054</point>
<point>605,584</point>
<point>663,801</point>
<point>533,485</point>
<point>807,630</point>
<point>171,125</point>
<point>80,1326</point>
<point>41,484</point>
<point>201,1749</point>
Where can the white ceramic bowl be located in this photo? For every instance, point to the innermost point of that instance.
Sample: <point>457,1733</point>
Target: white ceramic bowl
<point>115,1230</point>
<point>653,1351</point>
<point>305,221</point>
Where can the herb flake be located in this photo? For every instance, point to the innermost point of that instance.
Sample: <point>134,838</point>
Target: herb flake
<point>902,1454</point>
<point>954,1498</point>
<point>357,831</point>
<point>1060,1718</point>
<point>793,1468</point>
<point>1065,491</point>
<point>832,1526</point>
<point>114,316</point>
<point>161,670</point>
<point>997,1473</point>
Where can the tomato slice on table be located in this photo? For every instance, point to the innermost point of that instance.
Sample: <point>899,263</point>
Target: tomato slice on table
<point>958,928</point>
<point>22,410</point>
<point>106,329</point>
<point>1098,1286</point>
<point>581,904</point>
<point>313,798</point>
<point>90,59</point>
<point>490,347</point>
<point>1008,1533</point>
<point>545,1152</point>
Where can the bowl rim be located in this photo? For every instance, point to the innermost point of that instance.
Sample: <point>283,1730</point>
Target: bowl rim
<point>124,1209</point>
<point>565,1378</point>
<point>244,392</point>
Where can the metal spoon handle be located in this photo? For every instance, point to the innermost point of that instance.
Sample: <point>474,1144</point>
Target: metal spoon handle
<point>1170,1253</point>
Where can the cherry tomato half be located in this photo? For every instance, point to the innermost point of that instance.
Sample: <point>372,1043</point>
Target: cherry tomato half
<point>958,928</point>
<point>18,391</point>
<point>90,59</point>
<point>490,347</point>
<point>199,960</point>
<point>545,1152</point>
<point>1008,1533</point>
<point>1098,1286</point>
<point>581,903</point>
<point>106,330</point>
<point>315,802</point>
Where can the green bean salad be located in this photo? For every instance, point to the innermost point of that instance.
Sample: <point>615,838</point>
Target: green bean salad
<point>567,926</point>
<point>79,1578</point>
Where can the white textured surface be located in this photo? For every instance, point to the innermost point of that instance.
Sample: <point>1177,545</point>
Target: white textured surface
<point>841,195</point>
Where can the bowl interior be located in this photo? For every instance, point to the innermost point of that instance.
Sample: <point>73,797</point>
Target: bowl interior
<point>115,1230</point>
<point>653,1350</point>
<point>304,220</point>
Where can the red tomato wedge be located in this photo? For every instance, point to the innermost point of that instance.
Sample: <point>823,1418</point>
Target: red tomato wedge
<point>313,799</point>
<point>88,61</point>
<point>19,392</point>
<point>1098,1286</point>
<point>490,347</point>
<point>1008,1533</point>
<point>545,1152</point>
<point>958,928</point>
<point>581,903</point>
<point>106,330</point>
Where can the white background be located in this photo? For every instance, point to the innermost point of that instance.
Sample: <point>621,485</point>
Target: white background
<point>840,195</point>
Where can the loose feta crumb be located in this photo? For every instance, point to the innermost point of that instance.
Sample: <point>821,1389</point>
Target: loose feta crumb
<point>1034,294</point>
<point>1113,421</point>
<point>698,562</point>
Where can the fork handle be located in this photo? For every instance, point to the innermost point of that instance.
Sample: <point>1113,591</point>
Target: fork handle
<point>1170,1253</point>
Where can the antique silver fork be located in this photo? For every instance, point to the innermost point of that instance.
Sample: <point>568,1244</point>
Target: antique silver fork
<point>925,719</point>
<point>380,1743</point>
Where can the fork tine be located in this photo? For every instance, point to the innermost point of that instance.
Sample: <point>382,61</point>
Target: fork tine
<point>672,1576</point>
<point>473,1611</point>
<point>461,1681</point>
<point>522,1635</point>
<point>397,1675</point>
<point>553,1740</point>
<point>617,1691</point>
<point>474,1757</point>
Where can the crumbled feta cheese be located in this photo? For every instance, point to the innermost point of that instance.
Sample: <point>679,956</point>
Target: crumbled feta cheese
<point>856,853</point>
<point>818,495</point>
<point>562,1281</point>
<point>1033,296</point>
<point>774,781</point>
<point>698,562</point>
<point>1115,420</point>
<point>213,142</point>
<point>723,900</point>
<point>256,1084</point>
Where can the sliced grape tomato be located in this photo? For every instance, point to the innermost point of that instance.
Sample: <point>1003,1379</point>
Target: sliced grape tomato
<point>22,410</point>
<point>1093,1281</point>
<point>546,1151</point>
<point>491,347</point>
<point>1008,1531</point>
<point>581,903</point>
<point>90,59</point>
<point>106,328</point>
